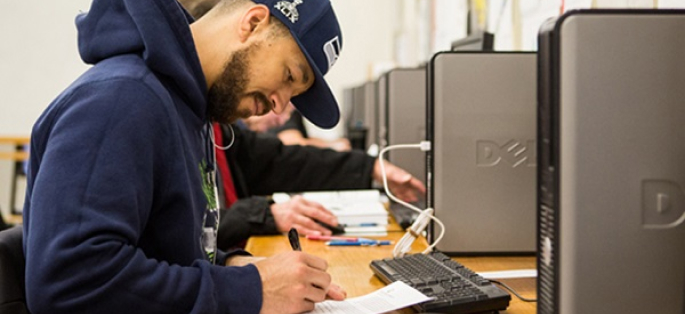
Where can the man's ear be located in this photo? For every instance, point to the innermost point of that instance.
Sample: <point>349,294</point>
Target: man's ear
<point>254,20</point>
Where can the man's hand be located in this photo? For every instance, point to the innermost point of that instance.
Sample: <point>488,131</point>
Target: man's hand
<point>300,214</point>
<point>401,183</point>
<point>336,293</point>
<point>293,281</point>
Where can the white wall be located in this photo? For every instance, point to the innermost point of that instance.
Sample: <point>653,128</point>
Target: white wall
<point>368,28</point>
<point>38,55</point>
<point>38,58</point>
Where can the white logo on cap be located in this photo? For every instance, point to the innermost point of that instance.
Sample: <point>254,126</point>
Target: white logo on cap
<point>289,9</point>
<point>332,50</point>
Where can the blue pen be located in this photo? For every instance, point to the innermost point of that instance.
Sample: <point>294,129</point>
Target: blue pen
<point>363,224</point>
<point>358,243</point>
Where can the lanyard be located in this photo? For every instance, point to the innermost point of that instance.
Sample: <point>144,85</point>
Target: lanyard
<point>210,220</point>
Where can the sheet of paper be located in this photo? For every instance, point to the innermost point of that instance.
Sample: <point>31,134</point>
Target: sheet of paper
<point>394,296</point>
<point>374,231</point>
<point>506,274</point>
<point>343,196</point>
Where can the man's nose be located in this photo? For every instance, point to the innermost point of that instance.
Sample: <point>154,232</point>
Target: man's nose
<point>281,100</point>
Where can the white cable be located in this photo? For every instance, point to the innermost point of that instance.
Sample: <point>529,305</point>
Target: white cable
<point>229,144</point>
<point>404,244</point>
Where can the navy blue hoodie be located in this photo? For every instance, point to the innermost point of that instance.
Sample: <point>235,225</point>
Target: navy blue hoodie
<point>114,204</point>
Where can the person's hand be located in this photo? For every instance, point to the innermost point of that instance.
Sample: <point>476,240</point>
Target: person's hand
<point>300,214</point>
<point>261,124</point>
<point>401,183</point>
<point>293,281</point>
<point>336,293</point>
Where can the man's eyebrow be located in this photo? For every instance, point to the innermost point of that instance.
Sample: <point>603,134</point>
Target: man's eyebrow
<point>305,75</point>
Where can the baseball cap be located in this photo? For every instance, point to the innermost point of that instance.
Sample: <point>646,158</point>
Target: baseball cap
<point>315,28</point>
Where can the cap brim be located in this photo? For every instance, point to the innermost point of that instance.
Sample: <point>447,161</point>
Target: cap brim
<point>317,104</point>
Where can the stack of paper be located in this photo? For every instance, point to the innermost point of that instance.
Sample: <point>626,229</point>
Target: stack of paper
<point>354,208</point>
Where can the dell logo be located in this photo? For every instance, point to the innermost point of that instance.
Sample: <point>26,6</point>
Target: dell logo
<point>513,152</point>
<point>663,204</point>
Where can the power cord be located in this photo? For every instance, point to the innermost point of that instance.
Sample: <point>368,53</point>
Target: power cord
<point>404,244</point>
<point>414,231</point>
<point>524,299</point>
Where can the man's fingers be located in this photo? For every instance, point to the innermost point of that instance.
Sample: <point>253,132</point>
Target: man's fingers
<point>336,293</point>
<point>419,186</point>
<point>306,226</point>
<point>315,262</point>
<point>323,215</point>
<point>320,281</point>
<point>403,177</point>
<point>293,281</point>
<point>316,211</point>
<point>315,294</point>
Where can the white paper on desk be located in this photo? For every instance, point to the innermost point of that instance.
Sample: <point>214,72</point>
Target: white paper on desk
<point>394,296</point>
<point>379,231</point>
<point>509,274</point>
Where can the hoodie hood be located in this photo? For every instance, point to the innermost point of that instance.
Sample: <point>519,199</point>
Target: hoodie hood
<point>157,30</point>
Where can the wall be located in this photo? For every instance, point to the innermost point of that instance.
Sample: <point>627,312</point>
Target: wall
<point>38,56</point>
<point>368,29</point>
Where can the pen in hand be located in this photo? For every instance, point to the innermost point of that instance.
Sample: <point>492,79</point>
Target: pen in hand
<point>294,239</point>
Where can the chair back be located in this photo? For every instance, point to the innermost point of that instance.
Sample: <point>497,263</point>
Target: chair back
<point>12,269</point>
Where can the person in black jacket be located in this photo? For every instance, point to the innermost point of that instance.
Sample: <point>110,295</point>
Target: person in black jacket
<point>289,127</point>
<point>294,132</point>
<point>253,159</point>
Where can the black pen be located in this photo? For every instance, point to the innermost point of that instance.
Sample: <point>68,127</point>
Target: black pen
<point>294,239</point>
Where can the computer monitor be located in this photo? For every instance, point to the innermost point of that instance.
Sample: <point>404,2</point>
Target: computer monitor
<point>481,169</point>
<point>370,113</point>
<point>358,110</point>
<point>355,129</point>
<point>347,104</point>
<point>611,204</point>
<point>405,109</point>
<point>382,118</point>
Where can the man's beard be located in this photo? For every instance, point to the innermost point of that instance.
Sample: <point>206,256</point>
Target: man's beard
<point>224,96</point>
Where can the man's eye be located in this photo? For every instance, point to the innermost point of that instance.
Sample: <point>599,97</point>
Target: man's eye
<point>290,77</point>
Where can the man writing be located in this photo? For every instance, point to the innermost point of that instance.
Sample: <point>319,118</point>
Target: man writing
<point>246,173</point>
<point>120,212</point>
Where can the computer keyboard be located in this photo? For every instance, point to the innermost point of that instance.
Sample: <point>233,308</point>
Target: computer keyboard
<point>455,288</point>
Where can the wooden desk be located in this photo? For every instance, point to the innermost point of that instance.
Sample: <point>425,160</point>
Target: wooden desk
<point>14,156</point>
<point>13,219</point>
<point>17,154</point>
<point>349,266</point>
<point>14,140</point>
<point>16,145</point>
